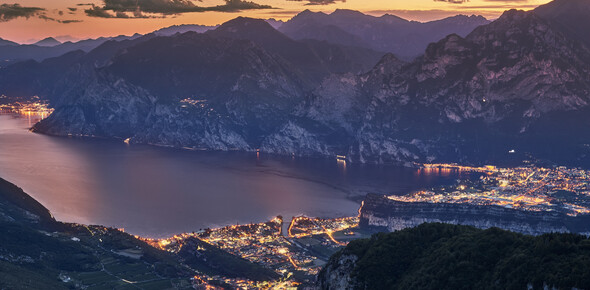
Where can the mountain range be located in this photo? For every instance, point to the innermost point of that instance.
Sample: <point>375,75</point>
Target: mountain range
<point>518,83</point>
<point>391,33</point>
<point>514,87</point>
<point>388,33</point>
<point>12,52</point>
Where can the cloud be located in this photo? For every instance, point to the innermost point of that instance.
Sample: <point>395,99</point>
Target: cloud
<point>12,11</point>
<point>47,18</point>
<point>452,1</point>
<point>237,5</point>
<point>465,1</point>
<point>162,8</point>
<point>69,21</point>
<point>318,2</point>
<point>73,9</point>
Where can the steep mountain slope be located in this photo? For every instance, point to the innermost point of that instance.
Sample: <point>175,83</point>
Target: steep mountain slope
<point>188,90</point>
<point>38,252</point>
<point>440,256</point>
<point>225,89</point>
<point>517,83</point>
<point>7,42</point>
<point>313,59</point>
<point>570,15</point>
<point>53,78</point>
<point>389,33</point>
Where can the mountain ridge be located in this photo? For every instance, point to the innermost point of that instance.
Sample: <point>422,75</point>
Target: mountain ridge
<point>388,33</point>
<point>48,42</point>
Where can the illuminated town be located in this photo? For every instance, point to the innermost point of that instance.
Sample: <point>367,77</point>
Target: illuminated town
<point>25,106</point>
<point>297,254</point>
<point>192,102</point>
<point>524,188</point>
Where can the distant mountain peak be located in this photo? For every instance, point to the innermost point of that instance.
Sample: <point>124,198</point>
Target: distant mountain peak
<point>388,33</point>
<point>246,21</point>
<point>347,12</point>
<point>4,42</point>
<point>276,24</point>
<point>392,16</point>
<point>471,17</point>
<point>513,15</point>
<point>171,30</point>
<point>49,41</point>
<point>308,12</point>
<point>245,27</point>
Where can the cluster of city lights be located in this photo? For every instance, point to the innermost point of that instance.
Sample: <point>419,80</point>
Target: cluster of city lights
<point>524,188</point>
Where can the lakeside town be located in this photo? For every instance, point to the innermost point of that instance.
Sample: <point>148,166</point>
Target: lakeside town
<point>299,252</point>
<point>296,254</point>
<point>25,105</point>
<point>530,188</point>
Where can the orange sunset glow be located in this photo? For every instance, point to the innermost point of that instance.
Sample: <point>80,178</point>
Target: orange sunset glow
<point>68,20</point>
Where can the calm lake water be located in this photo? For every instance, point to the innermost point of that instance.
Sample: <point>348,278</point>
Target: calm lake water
<point>156,192</point>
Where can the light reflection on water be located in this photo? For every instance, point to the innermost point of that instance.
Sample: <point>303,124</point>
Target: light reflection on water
<point>156,192</point>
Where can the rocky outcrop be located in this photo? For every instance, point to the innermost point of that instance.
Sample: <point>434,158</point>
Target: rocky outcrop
<point>337,275</point>
<point>507,85</point>
<point>381,212</point>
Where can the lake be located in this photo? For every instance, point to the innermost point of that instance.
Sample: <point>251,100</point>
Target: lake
<point>156,192</point>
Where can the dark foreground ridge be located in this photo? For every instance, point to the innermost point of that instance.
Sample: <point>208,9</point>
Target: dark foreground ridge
<point>441,256</point>
<point>37,252</point>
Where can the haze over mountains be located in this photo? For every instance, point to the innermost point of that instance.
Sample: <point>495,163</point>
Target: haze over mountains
<point>381,34</point>
<point>518,83</point>
<point>388,33</point>
<point>11,52</point>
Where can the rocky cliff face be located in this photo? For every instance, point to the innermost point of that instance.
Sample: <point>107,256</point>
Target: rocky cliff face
<point>520,83</point>
<point>337,274</point>
<point>507,85</point>
<point>379,211</point>
<point>214,93</point>
<point>227,89</point>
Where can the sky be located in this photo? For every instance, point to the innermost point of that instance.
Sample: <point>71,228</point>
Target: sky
<point>26,21</point>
